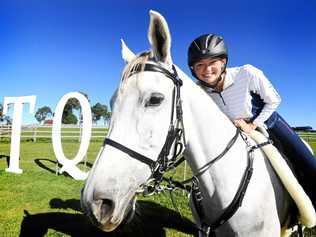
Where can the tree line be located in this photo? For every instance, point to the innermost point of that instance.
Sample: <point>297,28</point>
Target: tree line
<point>4,118</point>
<point>99,111</point>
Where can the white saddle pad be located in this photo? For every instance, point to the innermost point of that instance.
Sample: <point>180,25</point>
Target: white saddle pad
<point>307,215</point>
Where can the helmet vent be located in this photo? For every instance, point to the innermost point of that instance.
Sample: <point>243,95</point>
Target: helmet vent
<point>218,40</point>
<point>196,45</point>
<point>207,44</point>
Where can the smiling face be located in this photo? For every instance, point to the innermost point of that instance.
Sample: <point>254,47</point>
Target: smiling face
<point>209,69</point>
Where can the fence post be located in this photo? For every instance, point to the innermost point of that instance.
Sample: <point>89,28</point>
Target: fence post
<point>85,162</point>
<point>34,134</point>
<point>184,175</point>
<point>80,132</point>
<point>10,132</point>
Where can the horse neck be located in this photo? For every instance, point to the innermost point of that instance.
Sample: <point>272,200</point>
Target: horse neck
<point>208,131</point>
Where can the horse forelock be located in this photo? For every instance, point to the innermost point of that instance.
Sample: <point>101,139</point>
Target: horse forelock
<point>141,59</point>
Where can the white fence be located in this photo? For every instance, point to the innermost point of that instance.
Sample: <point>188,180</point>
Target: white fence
<point>34,132</point>
<point>308,136</point>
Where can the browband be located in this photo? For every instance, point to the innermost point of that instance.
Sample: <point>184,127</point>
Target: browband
<point>155,68</point>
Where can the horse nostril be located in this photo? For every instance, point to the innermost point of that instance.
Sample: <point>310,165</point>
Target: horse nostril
<point>106,208</point>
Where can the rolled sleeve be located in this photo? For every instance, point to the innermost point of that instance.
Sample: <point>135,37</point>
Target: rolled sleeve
<point>263,87</point>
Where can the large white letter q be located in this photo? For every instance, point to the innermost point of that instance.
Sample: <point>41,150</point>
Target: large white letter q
<point>70,165</point>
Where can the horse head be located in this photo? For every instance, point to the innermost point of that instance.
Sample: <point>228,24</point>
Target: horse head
<point>140,119</point>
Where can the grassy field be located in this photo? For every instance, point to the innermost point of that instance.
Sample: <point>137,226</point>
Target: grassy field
<point>41,203</point>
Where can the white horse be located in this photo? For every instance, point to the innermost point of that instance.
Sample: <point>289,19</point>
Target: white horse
<point>140,121</point>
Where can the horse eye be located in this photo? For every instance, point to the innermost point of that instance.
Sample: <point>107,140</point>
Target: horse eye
<point>155,99</point>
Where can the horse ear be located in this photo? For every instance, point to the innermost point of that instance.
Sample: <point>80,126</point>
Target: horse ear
<point>127,54</point>
<point>159,37</point>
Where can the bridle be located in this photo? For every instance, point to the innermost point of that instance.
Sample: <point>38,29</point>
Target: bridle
<point>174,136</point>
<point>164,163</point>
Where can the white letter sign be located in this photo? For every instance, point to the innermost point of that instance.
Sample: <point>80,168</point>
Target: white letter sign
<point>70,165</point>
<point>16,127</point>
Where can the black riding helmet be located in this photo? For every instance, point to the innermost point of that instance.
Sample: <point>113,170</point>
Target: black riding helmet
<point>206,46</point>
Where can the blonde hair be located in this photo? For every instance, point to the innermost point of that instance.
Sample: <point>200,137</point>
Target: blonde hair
<point>133,66</point>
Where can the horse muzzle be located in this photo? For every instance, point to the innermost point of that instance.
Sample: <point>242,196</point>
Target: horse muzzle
<point>108,213</point>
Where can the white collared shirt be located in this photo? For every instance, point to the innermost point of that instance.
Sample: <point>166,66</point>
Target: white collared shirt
<point>235,99</point>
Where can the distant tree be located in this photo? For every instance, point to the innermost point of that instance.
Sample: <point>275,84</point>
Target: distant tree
<point>71,105</point>
<point>42,113</point>
<point>302,128</point>
<point>66,113</point>
<point>74,104</point>
<point>98,111</point>
<point>1,112</point>
<point>4,118</point>
<point>107,118</point>
<point>70,119</point>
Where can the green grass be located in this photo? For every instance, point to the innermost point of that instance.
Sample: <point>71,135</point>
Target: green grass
<point>313,146</point>
<point>44,195</point>
<point>52,201</point>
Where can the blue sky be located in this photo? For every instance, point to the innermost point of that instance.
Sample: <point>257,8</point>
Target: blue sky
<point>50,48</point>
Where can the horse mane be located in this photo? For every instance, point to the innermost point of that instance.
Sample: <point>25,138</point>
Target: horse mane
<point>140,59</point>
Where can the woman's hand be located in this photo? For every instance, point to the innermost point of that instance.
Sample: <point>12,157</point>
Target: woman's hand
<point>246,127</point>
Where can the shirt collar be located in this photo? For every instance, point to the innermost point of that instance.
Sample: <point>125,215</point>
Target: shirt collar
<point>229,80</point>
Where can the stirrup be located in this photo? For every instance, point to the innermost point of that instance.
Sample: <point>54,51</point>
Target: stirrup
<point>205,231</point>
<point>300,230</point>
